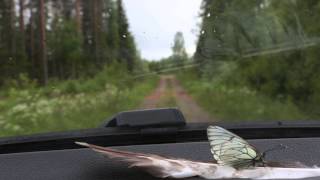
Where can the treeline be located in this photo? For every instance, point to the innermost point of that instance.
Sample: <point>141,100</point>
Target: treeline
<point>63,39</point>
<point>270,46</point>
<point>176,61</point>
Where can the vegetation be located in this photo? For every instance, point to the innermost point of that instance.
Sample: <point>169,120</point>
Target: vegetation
<point>178,59</point>
<point>63,39</point>
<point>66,64</point>
<point>73,104</point>
<point>268,48</point>
<point>237,103</point>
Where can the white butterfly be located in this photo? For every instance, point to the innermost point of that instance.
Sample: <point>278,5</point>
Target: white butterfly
<point>224,146</point>
<point>231,150</point>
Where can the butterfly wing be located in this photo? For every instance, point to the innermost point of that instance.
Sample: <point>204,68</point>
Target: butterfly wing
<point>229,149</point>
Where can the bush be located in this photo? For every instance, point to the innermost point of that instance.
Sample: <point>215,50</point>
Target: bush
<point>238,103</point>
<point>73,104</point>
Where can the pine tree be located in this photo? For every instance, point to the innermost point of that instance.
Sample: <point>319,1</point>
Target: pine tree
<point>112,31</point>
<point>63,39</point>
<point>127,50</point>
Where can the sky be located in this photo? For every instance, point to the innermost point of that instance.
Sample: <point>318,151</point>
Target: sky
<point>154,23</point>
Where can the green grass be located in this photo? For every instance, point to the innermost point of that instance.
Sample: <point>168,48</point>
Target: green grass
<point>74,104</point>
<point>240,103</point>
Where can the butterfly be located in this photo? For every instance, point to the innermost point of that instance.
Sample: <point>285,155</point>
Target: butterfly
<point>231,150</point>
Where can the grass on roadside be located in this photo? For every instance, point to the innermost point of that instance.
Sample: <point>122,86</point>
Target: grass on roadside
<point>238,103</point>
<point>76,104</point>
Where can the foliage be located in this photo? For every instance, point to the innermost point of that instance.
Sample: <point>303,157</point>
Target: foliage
<point>178,48</point>
<point>75,104</point>
<point>85,50</point>
<point>272,44</point>
<point>176,61</point>
<point>75,39</point>
<point>237,103</point>
<point>127,50</point>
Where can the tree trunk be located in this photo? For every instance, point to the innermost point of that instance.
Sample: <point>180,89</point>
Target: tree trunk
<point>43,54</point>
<point>13,33</point>
<point>96,31</point>
<point>32,45</point>
<point>78,16</point>
<point>23,47</point>
<point>21,17</point>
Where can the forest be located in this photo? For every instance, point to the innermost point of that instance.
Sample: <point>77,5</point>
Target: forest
<point>66,64</point>
<point>258,52</point>
<point>56,39</point>
<point>69,64</point>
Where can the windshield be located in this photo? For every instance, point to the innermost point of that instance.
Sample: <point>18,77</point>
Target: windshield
<point>71,64</point>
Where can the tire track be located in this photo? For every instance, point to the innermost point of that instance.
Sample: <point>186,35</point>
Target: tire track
<point>170,88</point>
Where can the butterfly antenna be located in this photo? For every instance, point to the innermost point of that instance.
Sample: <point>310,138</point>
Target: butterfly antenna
<point>276,148</point>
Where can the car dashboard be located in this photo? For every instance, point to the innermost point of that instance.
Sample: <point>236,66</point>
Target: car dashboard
<point>85,164</point>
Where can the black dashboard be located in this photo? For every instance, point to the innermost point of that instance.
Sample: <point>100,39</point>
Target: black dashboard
<point>84,164</point>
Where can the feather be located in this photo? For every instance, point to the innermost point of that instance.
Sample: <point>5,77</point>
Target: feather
<point>278,173</point>
<point>163,167</point>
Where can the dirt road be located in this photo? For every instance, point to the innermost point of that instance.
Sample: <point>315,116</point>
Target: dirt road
<point>169,93</point>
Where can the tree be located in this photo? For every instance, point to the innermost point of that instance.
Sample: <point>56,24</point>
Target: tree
<point>21,15</point>
<point>78,15</point>
<point>127,51</point>
<point>63,39</point>
<point>179,54</point>
<point>12,52</point>
<point>112,31</point>
<point>178,48</point>
<point>268,41</point>
<point>43,45</point>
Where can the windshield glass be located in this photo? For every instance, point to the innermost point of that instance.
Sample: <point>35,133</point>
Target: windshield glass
<point>71,64</point>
